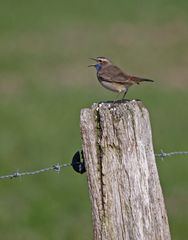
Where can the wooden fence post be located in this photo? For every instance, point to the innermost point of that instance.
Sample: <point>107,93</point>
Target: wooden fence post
<point>125,192</point>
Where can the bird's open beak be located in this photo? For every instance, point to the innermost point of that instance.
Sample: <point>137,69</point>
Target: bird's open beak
<point>92,65</point>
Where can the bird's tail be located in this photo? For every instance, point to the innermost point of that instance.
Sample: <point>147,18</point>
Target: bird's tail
<point>138,79</point>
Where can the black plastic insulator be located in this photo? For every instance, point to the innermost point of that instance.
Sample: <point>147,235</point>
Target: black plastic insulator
<point>78,163</point>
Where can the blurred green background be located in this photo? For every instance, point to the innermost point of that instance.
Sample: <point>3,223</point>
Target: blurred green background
<point>44,82</point>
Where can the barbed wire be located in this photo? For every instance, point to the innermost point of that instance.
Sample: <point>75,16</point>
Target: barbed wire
<point>163,154</point>
<point>58,167</point>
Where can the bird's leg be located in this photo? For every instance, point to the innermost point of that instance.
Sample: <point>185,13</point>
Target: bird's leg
<point>125,93</point>
<point>116,97</point>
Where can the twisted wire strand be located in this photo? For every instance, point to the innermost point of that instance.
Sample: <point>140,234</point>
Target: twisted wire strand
<point>58,167</point>
<point>163,154</point>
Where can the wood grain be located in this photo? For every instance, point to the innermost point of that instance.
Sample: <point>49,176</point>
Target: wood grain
<point>124,187</point>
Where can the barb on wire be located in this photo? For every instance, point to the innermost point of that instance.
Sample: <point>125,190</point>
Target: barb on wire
<point>163,154</point>
<point>57,167</point>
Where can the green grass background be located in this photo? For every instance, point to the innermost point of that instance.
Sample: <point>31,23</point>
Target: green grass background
<point>44,82</point>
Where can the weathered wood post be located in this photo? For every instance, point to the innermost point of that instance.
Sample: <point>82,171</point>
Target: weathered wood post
<point>124,187</point>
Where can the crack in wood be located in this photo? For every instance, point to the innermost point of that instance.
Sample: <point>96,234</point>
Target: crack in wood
<point>100,154</point>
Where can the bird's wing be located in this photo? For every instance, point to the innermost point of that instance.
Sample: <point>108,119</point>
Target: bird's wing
<point>113,74</point>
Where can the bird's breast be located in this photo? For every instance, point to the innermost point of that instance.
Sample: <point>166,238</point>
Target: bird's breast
<point>115,87</point>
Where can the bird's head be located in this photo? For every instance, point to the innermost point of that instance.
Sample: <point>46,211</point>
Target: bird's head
<point>100,62</point>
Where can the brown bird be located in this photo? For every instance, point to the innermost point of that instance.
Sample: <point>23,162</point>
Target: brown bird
<point>113,78</point>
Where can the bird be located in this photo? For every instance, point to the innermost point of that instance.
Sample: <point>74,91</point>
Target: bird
<point>113,78</point>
